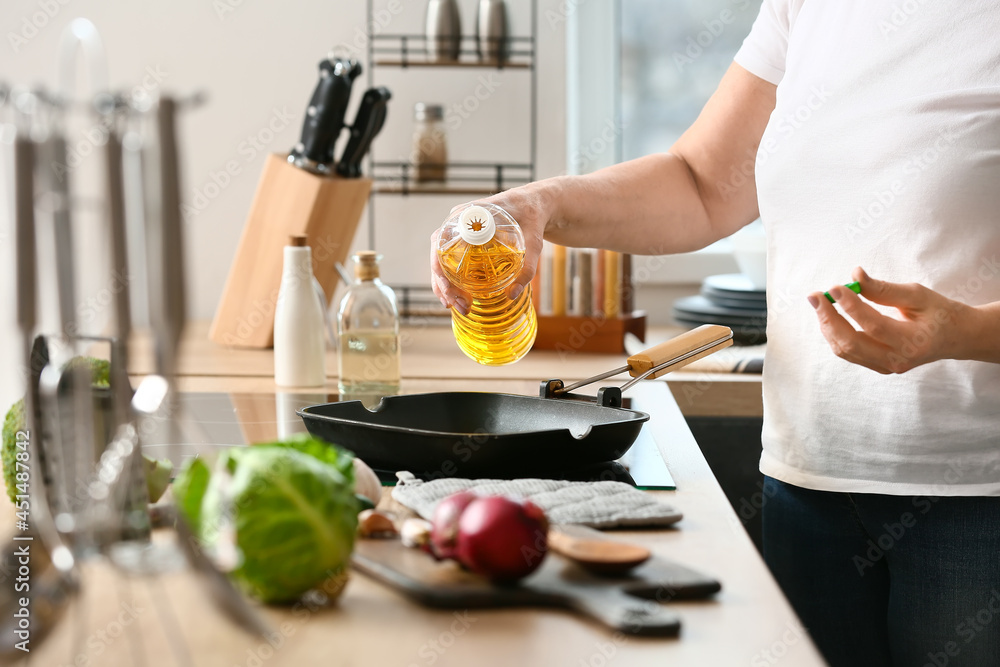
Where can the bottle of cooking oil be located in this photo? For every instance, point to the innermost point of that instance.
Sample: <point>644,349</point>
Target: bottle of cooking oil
<point>481,250</point>
<point>368,331</point>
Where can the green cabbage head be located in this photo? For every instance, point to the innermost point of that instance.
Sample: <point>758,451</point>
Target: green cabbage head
<point>288,507</point>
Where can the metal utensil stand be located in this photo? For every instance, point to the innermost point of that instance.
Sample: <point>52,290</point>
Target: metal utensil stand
<point>465,179</point>
<point>85,497</point>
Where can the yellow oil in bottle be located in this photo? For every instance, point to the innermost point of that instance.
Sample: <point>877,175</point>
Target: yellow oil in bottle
<point>496,330</point>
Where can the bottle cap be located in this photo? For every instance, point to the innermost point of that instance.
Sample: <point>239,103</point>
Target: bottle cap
<point>476,225</point>
<point>423,112</point>
<point>366,264</point>
<point>298,241</point>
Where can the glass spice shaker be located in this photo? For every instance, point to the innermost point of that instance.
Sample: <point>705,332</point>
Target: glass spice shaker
<point>430,150</point>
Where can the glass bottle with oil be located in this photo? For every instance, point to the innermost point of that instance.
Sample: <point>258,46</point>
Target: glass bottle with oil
<point>368,359</point>
<point>481,250</point>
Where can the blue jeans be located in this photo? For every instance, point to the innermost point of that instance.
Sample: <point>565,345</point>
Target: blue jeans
<point>889,580</point>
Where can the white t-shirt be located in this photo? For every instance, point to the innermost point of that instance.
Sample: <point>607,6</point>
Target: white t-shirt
<point>883,151</point>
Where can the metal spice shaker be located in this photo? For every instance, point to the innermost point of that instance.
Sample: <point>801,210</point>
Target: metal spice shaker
<point>492,44</point>
<point>443,28</point>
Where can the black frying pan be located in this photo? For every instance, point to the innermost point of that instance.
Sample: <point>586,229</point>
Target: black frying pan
<point>472,434</point>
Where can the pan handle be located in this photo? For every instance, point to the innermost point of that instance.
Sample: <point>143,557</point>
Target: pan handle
<point>658,360</point>
<point>679,351</point>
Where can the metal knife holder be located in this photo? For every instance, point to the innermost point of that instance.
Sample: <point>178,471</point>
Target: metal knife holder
<point>63,468</point>
<point>76,421</point>
<point>87,494</point>
<point>94,549</point>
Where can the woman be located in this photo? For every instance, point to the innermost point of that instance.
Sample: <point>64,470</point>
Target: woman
<point>875,128</point>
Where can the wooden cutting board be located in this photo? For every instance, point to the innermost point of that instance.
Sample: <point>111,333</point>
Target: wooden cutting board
<point>620,603</point>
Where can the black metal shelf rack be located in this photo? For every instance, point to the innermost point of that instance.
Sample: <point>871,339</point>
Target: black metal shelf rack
<point>408,51</point>
<point>470,178</point>
<point>411,51</point>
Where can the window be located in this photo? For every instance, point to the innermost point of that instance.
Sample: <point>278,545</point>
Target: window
<point>673,55</point>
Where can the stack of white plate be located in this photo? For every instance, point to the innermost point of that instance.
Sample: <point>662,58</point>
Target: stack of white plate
<point>730,300</point>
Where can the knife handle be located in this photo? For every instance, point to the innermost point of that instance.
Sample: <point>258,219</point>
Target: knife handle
<point>367,123</point>
<point>325,113</point>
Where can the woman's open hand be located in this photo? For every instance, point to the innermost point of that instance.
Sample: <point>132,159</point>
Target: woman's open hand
<point>930,327</point>
<point>531,206</point>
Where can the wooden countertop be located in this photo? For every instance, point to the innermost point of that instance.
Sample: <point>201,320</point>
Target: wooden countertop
<point>429,353</point>
<point>749,622</point>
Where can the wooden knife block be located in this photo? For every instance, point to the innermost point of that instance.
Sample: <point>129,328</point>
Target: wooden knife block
<point>289,201</point>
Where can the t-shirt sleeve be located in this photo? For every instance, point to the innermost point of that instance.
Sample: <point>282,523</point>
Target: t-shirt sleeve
<point>765,48</point>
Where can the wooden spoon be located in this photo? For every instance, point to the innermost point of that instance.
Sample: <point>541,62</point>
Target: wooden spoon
<point>599,556</point>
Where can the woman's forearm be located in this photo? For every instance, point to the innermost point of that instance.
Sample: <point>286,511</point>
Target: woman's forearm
<point>648,206</point>
<point>702,190</point>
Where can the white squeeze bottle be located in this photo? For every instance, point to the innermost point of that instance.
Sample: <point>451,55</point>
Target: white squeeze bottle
<point>299,325</point>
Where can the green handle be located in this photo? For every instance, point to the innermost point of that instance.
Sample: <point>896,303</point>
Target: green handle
<point>854,287</point>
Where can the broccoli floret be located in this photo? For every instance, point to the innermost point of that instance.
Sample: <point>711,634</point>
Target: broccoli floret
<point>100,370</point>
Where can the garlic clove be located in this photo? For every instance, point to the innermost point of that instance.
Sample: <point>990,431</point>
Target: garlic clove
<point>373,523</point>
<point>366,482</point>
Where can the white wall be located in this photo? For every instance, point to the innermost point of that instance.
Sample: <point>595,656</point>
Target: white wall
<point>256,60</point>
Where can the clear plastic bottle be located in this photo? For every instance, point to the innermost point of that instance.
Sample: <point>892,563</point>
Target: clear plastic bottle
<point>481,250</point>
<point>368,359</point>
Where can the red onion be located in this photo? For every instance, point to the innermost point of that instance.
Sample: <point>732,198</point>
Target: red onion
<point>500,538</point>
<point>444,523</point>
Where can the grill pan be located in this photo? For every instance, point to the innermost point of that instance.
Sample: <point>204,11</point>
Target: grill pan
<point>475,434</point>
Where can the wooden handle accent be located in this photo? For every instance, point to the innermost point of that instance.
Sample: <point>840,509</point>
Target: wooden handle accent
<point>678,347</point>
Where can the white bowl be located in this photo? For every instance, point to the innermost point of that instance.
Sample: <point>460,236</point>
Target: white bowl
<point>750,252</point>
